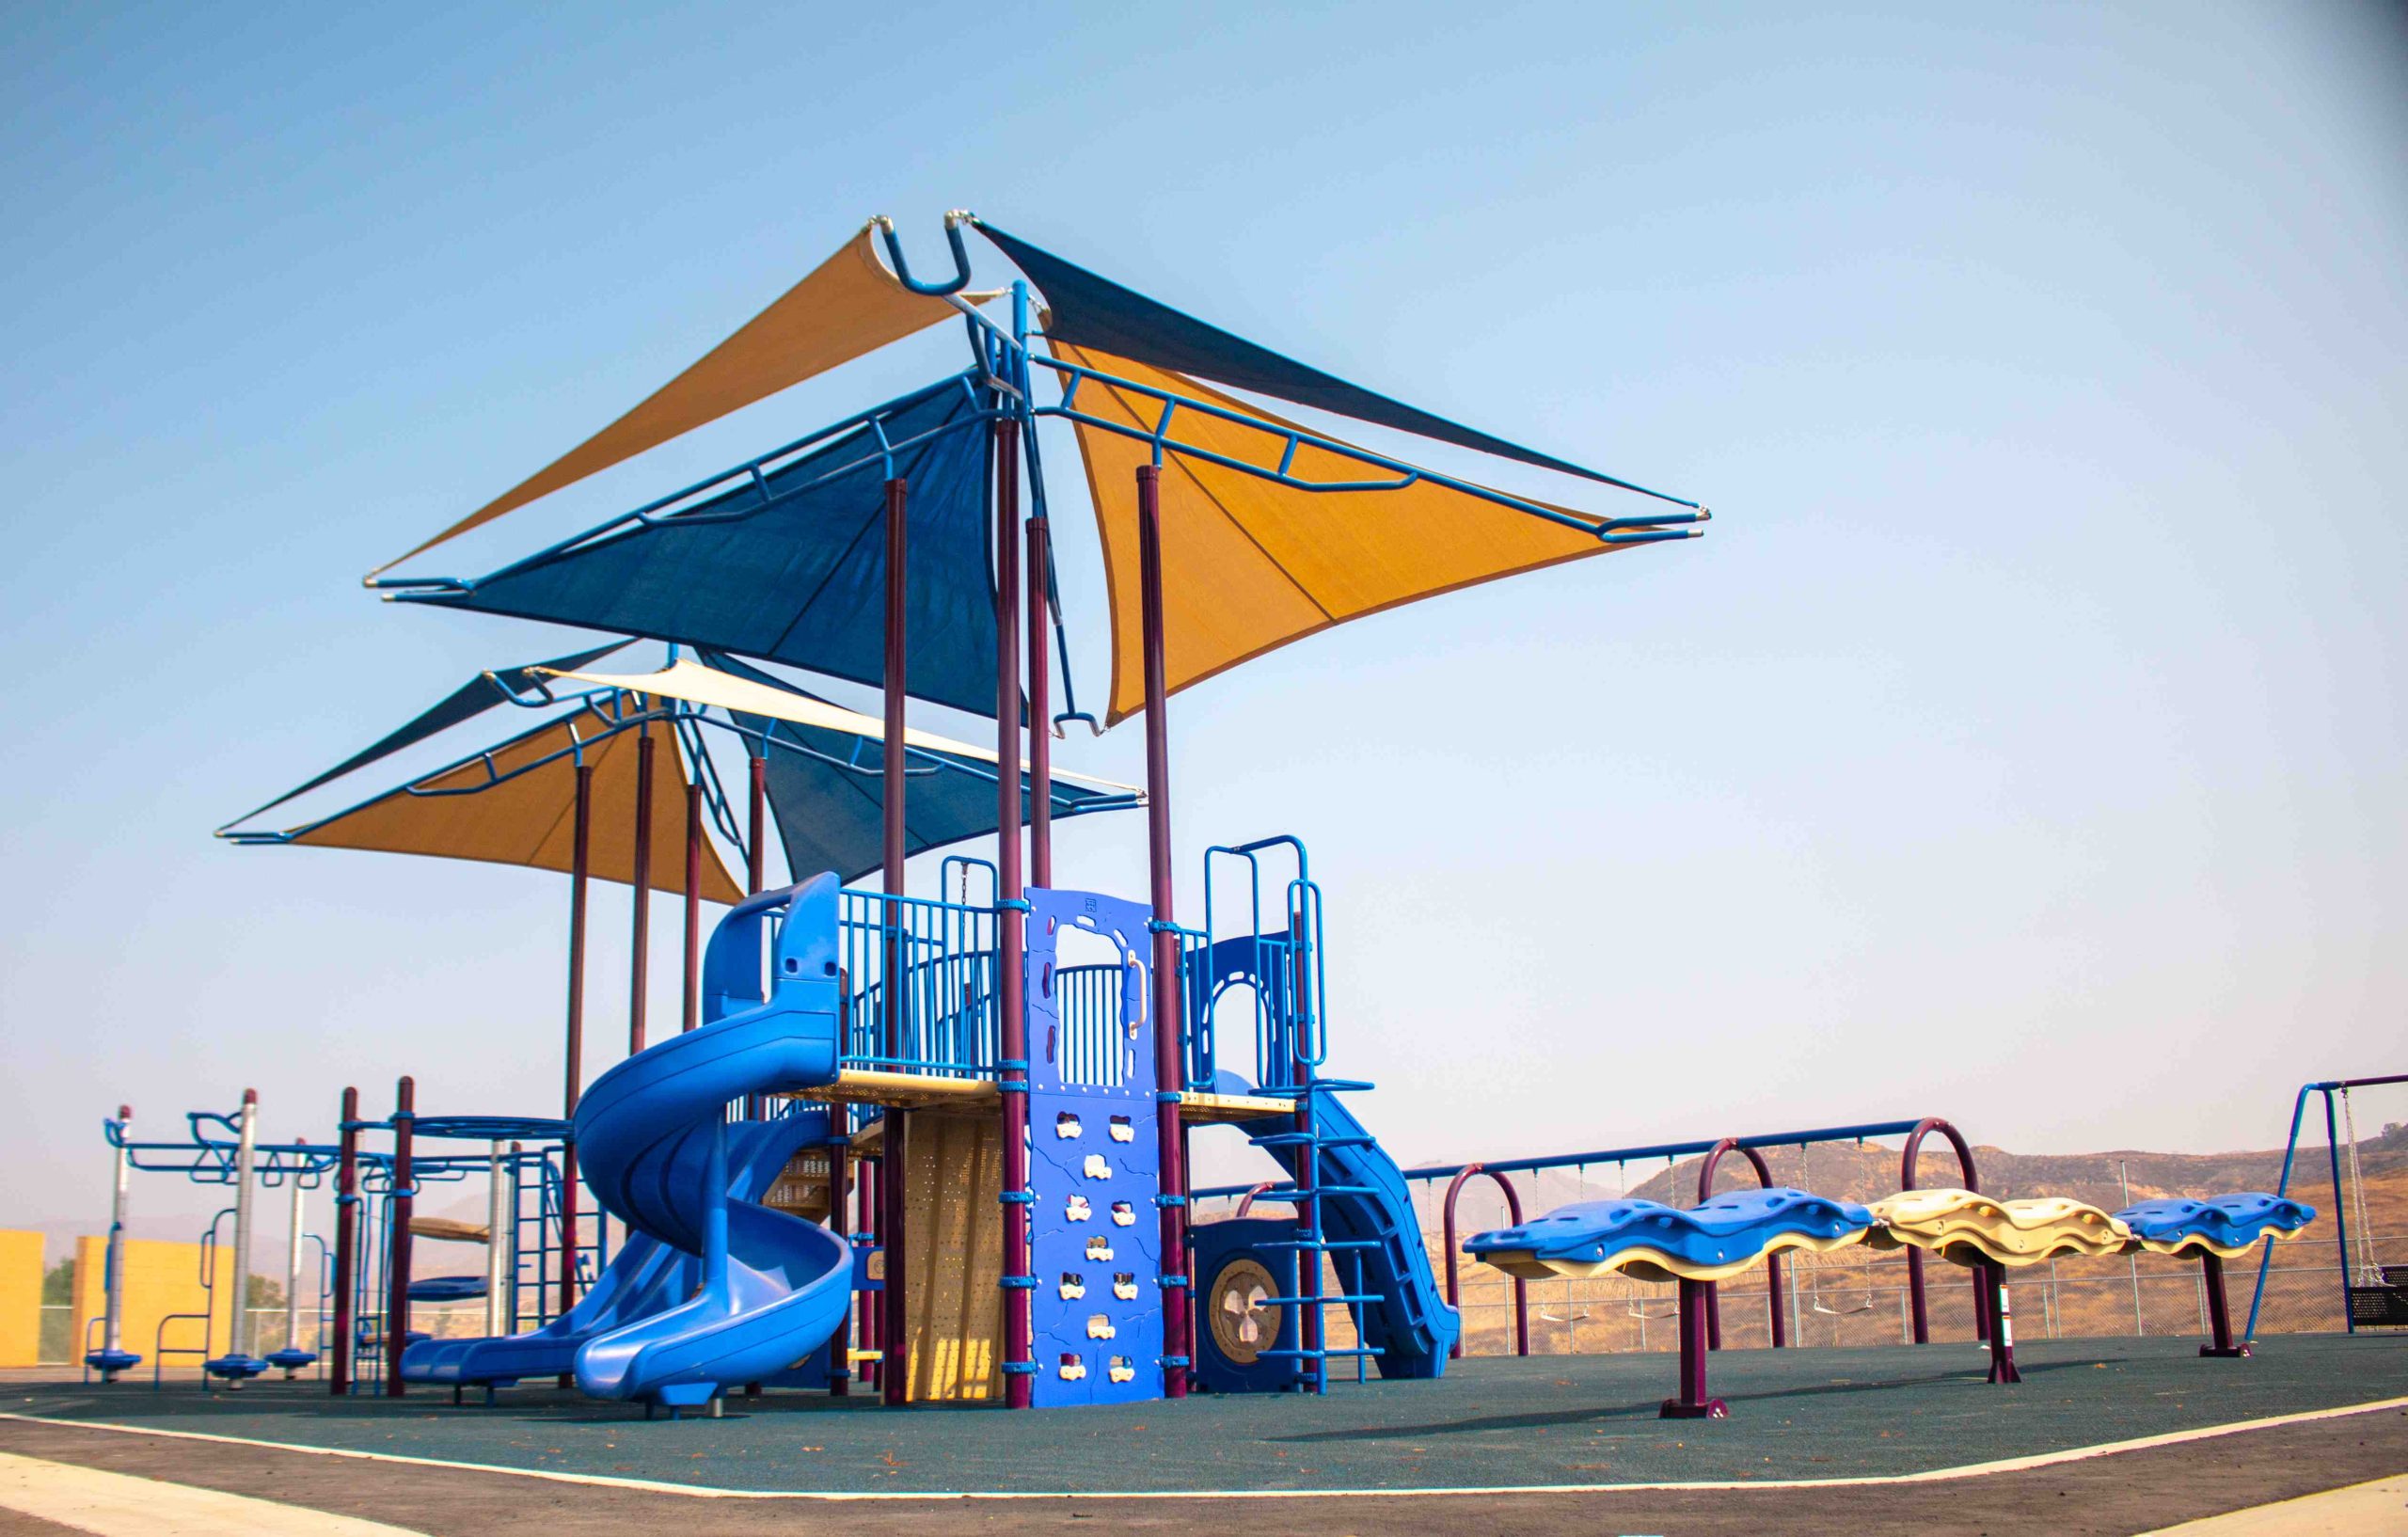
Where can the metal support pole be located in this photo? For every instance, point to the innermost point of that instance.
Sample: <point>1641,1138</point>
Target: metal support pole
<point>239,1308</point>
<point>1455,1287</point>
<point>895,1376</point>
<point>346,1244</point>
<point>640,951</point>
<point>2002,1333</point>
<point>113,1281</point>
<point>756,858</point>
<point>2220,1341</point>
<point>1011,933</point>
<point>691,994</point>
<point>2340,1211</point>
<point>397,1244</point>
<point>1692,1403</point>
<point>840,1365</point>
<point>1170,1046</point>
<point>580,854</point>
<point>495,1242</point>
<point>873,1326</point>
<point>1040,711</point>
<point>293,1276</point>
<point>1914,1257</point>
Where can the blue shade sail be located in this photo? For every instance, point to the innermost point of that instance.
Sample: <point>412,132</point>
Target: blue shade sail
<point>827,790</point>
<point>790,565</point>
<point>468,700</point>
<point>1088,310</point>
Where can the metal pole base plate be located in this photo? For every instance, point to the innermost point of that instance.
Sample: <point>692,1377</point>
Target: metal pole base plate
<point>2228,1352</point>
<point>1713,1408</point>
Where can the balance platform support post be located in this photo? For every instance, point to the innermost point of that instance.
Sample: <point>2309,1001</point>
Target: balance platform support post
<point>2220,1341</point>
<point>1692,1402</point>
<point>2002,1332</point>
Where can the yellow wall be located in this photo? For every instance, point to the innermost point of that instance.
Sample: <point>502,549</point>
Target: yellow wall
<point>19,1298</point>
<point>953,1255</point>
<point>159,1278</point>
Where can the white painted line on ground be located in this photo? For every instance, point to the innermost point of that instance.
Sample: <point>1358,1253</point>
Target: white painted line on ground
<point>116,1505</point>
<point>2376,1508</point>
<point>1866,1481</point>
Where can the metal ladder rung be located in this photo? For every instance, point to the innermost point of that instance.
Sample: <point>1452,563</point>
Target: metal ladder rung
<point>1331,1243</point>
<point>1323,1353</point>
<point>1331,1298</point>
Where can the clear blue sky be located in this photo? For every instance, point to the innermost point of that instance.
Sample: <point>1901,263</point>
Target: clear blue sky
<point>2024,744</point>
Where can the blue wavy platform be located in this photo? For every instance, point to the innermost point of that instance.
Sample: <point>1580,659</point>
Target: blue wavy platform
<point>2226,1224</point>
<point>1703,1243</point>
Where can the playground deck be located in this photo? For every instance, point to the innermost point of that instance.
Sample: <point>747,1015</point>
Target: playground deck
<point>1542,1423</point>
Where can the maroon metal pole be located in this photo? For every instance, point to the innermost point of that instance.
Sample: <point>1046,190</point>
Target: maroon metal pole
<point>346,1243</point>
<point>396,1252</point>
<point>873,1323</point>
<point>756,851</point>
<point>1011,934</point>
<point>1170,1046</point>
<point>756,855</point>
<point>1692,1403</point>
<point>1455,1291</point>
<point>1772,1261</point>
<point>895,1376</point>
<point>692,990</point>
<point>2219,1311</point>
<point>2001,1336</point>
<point>1040,717</point>
<point>640,959</point>
<point>1914,1257</point>
<point>573,1085</point>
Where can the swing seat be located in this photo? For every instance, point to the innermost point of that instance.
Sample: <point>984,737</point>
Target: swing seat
<point>2380,1307</point>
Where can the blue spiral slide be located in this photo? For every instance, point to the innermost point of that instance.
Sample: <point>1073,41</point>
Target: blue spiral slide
<point>711,1290</point>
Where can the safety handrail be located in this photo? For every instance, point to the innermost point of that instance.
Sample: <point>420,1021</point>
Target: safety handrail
<point>1455,1287</point>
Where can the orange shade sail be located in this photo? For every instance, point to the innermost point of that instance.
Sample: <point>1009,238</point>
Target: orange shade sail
<point>530,820</point>
<point>849,306</point>
<point>1251,564</point>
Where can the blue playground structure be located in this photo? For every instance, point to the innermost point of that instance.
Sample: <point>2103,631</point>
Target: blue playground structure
<point>940,1144</point>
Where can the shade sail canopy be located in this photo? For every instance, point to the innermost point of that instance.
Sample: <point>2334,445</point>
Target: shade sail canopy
<point>1250,564</point>
<point>466,703</point>
<point>849,306</point>
<point>792,568</point>
<point>521,810</point>
<point>825,770</point>
<point>696,684</point>
<point>1094,312</point>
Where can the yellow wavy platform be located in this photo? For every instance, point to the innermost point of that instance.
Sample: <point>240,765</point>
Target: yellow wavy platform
<point>1646,1264</point>
<point>1965,1229</point>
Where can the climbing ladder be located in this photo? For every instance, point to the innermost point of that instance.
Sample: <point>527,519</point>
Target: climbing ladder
<point>1284,969</point>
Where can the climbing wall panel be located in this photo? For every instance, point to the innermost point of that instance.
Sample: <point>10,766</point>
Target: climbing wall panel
<point>1095,1241</point>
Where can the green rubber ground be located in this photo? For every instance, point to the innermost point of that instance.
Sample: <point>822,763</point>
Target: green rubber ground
<point>1551,1420</point>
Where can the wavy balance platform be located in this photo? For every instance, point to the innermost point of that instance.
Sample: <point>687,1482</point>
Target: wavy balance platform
<point>2219,1228</point>
<point>1651,1242</point>
<point>1967,1229</point>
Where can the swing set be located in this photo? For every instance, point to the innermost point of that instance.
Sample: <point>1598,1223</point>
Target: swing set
<point>2373,1295</point>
